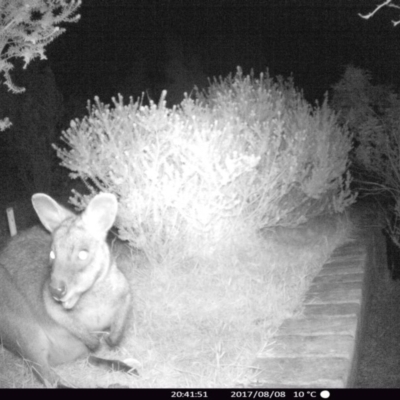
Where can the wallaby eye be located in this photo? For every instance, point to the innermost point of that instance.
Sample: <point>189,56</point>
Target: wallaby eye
<point>52,255</point>
<point>83,255</point>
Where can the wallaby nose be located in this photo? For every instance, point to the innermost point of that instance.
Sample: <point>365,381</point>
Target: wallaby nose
<point>58,289</point>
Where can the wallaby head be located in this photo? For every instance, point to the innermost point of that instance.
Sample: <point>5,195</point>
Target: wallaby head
<point>77,258</point>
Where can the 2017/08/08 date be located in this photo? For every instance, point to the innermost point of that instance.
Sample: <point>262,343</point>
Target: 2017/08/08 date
<point>271,394</point>
<point>244,394</point>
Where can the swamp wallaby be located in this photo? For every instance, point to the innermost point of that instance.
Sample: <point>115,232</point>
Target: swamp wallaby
<point>60,293</point>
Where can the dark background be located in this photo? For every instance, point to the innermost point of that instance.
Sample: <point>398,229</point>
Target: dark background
<point>145,46</point>
<point>130,46</point>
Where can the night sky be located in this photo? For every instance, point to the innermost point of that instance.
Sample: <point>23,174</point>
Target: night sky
<point>131,46</point>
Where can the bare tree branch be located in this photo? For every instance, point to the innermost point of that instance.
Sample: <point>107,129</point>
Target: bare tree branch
<point>387,3</point>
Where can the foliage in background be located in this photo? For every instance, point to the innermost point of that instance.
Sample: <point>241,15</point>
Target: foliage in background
<point>362,107</point>
<point>246,155</point>
<point>183,69</point>
<point>36,115</point>
<point>26,27</point>
<point>372,113</point>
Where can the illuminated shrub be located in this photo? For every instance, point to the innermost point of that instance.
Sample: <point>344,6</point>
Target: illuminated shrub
<point>246,155</point>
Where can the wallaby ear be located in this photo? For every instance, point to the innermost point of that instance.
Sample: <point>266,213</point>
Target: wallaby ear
<point>101,212</point>
<point>50,213</point>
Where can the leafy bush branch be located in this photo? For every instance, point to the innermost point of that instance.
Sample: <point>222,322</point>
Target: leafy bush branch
<point>26,27</point>
<point>372,113</point>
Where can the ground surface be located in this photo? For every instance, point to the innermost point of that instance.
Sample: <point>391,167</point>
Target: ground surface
<point>380,356</point>
<point>379,362</point>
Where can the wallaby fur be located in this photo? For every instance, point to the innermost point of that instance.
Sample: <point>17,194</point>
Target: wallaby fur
<point>59,293</point>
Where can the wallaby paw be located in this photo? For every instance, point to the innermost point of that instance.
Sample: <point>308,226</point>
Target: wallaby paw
<point>112,340</point>
<point>92,343</point>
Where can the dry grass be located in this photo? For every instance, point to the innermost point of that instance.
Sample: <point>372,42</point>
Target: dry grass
<point>201,322</point>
